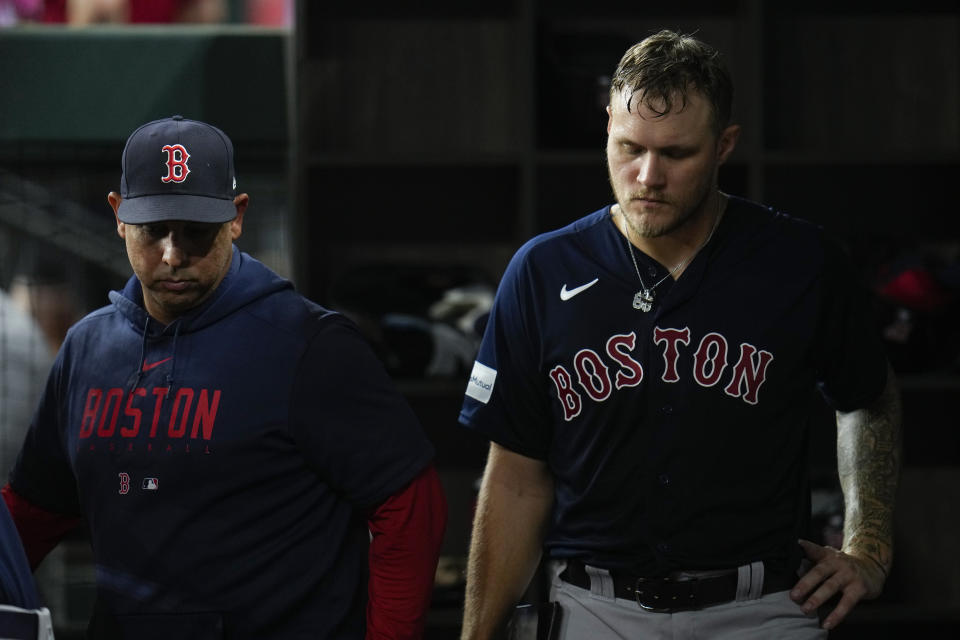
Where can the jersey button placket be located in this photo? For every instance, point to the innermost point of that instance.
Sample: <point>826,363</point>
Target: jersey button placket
<point>666,416</point>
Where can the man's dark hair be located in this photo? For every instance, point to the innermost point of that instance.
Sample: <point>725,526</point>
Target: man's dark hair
<point>666,66</point>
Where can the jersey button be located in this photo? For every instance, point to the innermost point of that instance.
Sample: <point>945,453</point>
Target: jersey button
<point>652,271</point>
<point>663,547</point>
<point>667,409</point>
<point>663,479</point>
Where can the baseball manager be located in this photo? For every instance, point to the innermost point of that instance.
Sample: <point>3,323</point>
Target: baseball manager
<point>242,462</point>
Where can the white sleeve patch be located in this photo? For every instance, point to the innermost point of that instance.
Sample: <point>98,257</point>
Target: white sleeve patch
<point>481,382</point>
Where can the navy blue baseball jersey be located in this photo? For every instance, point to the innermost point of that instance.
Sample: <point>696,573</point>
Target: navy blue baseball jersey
<point>677,437</point>
<point>224,463</point>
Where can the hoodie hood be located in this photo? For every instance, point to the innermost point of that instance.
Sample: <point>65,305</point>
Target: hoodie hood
<point>246,282</point>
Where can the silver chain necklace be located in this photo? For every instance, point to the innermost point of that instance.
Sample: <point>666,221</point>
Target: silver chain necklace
<point>643,299</point>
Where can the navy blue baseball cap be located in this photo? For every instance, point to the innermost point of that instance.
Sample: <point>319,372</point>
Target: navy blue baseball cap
<point>177,169</point>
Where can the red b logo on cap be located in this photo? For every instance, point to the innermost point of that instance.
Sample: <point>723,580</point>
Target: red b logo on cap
<point>177,168</point>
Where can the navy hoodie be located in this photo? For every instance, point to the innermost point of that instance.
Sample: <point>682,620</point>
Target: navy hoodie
<point>224,463</point>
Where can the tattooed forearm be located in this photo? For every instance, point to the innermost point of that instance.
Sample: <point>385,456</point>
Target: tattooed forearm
<point>868,460</point>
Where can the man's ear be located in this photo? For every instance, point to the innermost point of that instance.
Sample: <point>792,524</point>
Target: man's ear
<point>115,199</point>
<point>727,142</point>
<point>236,225</point>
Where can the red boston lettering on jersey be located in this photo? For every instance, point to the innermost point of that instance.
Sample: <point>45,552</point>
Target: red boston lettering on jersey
<point>592,374</point>
<point>710,360</point>
<point>569,399</point>
<point>749,374</point>
<point>670,338</point>
<point>177,169</point>
<point>618,348</point>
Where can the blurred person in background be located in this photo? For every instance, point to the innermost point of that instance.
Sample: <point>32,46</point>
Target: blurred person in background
<point>25,360</point>
<point>84,12</point>
<point>265,13</point>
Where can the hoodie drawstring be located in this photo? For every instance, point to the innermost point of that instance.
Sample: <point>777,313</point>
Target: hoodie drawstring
<point>173,363</point>
<point>143,356</point>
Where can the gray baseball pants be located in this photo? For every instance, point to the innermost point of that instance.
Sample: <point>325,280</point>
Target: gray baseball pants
<point>595,614</point>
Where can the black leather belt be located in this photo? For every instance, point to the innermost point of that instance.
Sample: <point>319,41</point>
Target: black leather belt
<point>679,591</point>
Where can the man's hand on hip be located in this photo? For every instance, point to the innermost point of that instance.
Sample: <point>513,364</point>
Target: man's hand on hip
<point>855,577</point>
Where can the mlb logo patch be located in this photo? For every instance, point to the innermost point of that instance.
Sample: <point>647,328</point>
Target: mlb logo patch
<point>150,484</point>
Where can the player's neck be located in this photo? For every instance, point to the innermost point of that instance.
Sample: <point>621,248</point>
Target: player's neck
<point>681,244</point>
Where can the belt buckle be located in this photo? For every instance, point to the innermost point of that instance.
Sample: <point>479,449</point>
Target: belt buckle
<point>650,598</point>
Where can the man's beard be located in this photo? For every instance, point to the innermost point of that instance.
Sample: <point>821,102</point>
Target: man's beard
<point>656,226</point>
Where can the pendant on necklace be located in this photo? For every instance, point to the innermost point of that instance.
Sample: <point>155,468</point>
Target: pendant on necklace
<point>643,300</point>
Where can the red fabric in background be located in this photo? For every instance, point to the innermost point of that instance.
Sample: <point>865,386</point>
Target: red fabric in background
<point>141,11</point>
<point>915,289</point>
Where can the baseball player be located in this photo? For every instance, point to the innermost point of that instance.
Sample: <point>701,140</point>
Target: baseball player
<point>646,377</point>
<point>242,462</point>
